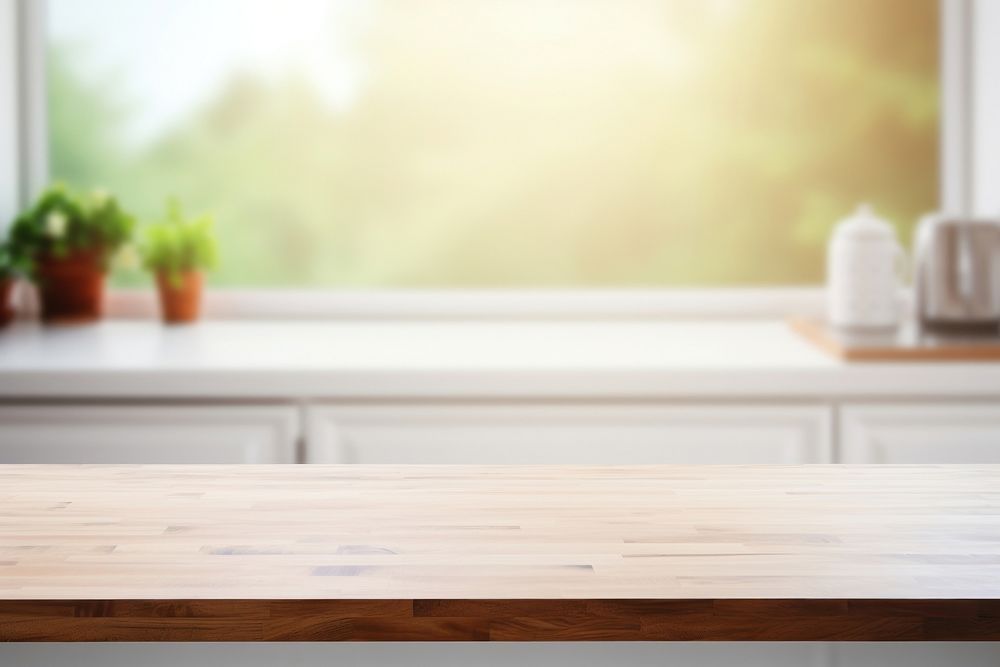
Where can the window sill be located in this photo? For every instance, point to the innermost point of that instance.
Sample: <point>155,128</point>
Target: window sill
<point>694,303</point>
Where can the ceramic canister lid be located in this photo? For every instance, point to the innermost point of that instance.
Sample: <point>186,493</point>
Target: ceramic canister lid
<point>864,224</point>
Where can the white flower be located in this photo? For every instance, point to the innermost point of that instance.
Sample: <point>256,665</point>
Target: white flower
<point>55,224</point>
<point>128,257</point>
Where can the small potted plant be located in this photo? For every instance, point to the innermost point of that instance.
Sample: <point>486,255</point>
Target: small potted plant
<point>65,242</point>
<point>178,251</point>
<point>8,277</point>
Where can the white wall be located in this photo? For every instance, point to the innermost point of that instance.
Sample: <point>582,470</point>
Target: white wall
<point>986,108</point>
<point>9,185</point>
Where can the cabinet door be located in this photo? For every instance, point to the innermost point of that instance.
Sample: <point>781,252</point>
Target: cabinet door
<point>512,434</point>
<point>920,433</point>
<point>435,654</point>
<point>139,434</point>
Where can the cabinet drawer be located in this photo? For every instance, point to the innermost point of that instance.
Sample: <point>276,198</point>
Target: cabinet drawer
<point>155,434</point>
<point>599,434</point>
<point>920,433</point>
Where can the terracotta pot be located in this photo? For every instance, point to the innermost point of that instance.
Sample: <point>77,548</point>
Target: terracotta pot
<point>6,308</point>
<point>180,299</point>
<point>71,287</point>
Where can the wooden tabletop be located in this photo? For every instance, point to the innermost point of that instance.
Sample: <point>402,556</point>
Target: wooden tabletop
<point>266,553</point>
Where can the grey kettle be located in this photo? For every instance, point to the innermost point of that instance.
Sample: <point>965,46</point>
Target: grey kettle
<point>957,277</point>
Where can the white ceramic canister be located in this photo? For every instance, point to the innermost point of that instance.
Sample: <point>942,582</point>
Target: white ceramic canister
<point>864,267</point>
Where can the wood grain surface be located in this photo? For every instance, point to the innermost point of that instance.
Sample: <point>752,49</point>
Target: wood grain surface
<point>503,553</point>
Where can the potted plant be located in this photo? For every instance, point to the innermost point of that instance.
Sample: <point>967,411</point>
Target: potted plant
<point>65,242</point>
<point>178,251</point>
<point>8,277</point>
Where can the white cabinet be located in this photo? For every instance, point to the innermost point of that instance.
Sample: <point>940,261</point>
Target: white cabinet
<point>567,433</point>
<point>914,654</point>
<point>434,654</point>
<point>148,434</point>
<point>920,433</point>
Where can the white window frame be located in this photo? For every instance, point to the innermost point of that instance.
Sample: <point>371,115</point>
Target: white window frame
<point>970,154</point>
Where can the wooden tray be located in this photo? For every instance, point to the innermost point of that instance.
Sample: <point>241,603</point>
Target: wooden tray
<point>905,343</point>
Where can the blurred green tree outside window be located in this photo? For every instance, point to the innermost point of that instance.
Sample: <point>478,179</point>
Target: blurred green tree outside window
<point>503,143</point>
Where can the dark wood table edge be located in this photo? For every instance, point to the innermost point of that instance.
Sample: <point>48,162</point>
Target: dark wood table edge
<point>445,620</point>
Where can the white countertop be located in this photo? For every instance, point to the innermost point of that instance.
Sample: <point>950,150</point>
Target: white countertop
<point>439,359</point>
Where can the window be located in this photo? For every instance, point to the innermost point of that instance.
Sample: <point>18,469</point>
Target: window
<point>503,143</point>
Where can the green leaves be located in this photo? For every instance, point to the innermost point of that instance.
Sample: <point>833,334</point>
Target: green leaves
<point>9,266</point>
<point>178,244</point>
<point>62,221</point>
